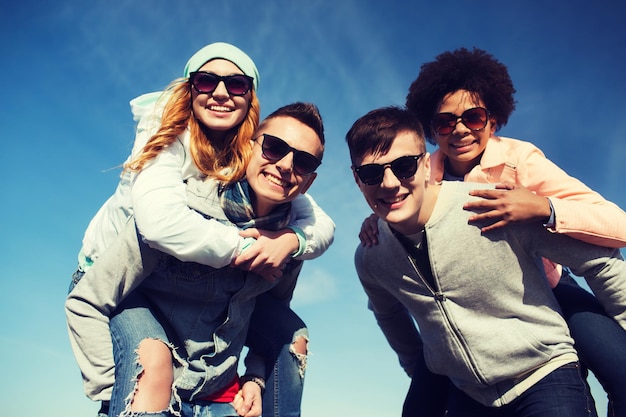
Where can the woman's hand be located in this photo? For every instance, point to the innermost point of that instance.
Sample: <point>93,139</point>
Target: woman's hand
<point>247,402</point>
<point>369,231</point>
<point>269,255</point>
<point>508,203</point>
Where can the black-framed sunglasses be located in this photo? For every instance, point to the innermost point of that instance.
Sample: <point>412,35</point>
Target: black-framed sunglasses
<point>403,167</point>
<point>274,149</point>
<point>206,82</point>
<point>475,119</point>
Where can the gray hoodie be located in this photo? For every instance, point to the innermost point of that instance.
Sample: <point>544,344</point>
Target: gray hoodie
<point>490,321</point>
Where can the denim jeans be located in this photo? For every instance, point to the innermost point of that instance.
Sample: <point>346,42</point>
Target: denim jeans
<point>207,409</point>
<point>273,328</point>
<point>599,340</point>
<point>562,393</point>
<point>131,323</point>
<point>428,393</point>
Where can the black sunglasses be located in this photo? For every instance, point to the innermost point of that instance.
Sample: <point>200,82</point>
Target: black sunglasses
<point>274,149</point>
<point>475,119</point>
<point>403,167</point>
<point>206,82</point>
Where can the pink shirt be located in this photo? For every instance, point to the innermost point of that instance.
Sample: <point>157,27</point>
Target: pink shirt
<point>580,212</point>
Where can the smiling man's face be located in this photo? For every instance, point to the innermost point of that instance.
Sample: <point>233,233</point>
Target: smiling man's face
<point>276,182</point>
<point>398,201</point>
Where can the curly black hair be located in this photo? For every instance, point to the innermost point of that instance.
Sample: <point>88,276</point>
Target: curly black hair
<point>475,71</point>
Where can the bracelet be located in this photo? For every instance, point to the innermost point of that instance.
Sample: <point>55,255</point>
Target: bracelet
<point>301,241</point>
<point>551,222</point>
<point>252,378</point>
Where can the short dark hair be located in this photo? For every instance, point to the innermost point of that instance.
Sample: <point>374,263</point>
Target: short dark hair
<point>475,71</point>
<point>375,132</point>
<point>306,113</point>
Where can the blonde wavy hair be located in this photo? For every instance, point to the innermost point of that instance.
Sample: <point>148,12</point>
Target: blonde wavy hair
<point>211,160</point>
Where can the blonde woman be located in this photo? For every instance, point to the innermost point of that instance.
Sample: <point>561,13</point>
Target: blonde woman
<point>200,126</point>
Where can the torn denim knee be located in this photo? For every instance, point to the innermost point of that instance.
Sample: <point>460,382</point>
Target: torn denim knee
<point>174,407</point>
<point>300,357</point>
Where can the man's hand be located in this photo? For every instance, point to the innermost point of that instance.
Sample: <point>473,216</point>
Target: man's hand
<point>508,203</point>
<point>269,255</point>
<point>369,231</point>
<point>247,402</point>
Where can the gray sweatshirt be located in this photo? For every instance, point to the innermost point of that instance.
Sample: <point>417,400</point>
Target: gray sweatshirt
<point>488,320</point>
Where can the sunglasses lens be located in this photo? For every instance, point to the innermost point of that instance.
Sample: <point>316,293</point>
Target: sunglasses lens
<point>237,85</point>
<point>204,82</point>
<point>370,174</point>
<point>404,167</point>
<point>274,148</point>
<point>443,123</point>
<point>475,119</point>
<point>304,163</point>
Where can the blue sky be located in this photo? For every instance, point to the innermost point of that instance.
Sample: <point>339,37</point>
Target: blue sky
<point>70,68</point>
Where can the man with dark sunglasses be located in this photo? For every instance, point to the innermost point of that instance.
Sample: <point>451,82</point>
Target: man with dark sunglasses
<point>487,318</point>
<point>202,314</point>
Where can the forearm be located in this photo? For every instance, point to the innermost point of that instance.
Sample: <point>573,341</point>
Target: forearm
<point>601,223</point>
<point>170,222</point>
<point>255,364</point>
<point>580,212</point>
<point>603,268</point>
<point>403,337</point>
<point>91,344</point>
<point>317,226</point>
<point>396,323</point>
<point>609,286</point>
<point>117,272</point>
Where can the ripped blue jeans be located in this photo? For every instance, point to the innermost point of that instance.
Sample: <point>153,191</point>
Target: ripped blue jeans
<point>273,329</point>
<point>274,326</point>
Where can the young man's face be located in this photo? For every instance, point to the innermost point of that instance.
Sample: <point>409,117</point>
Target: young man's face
<point>398,201</point>
<point>276,182</point>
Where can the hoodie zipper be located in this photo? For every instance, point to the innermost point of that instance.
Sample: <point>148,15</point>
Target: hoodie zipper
<point>440,298</point>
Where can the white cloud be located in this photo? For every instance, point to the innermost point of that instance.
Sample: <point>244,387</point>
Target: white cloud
<point>314,286</point>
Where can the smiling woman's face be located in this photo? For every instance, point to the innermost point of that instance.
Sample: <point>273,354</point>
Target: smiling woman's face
<point>463,147</point>
<point>219,111</point>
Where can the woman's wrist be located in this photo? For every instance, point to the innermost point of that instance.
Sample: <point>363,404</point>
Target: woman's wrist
<point>301,240</point>
<point>551,221</point>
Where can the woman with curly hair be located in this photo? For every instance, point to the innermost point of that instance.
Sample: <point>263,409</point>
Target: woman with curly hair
<point>462,98</point>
